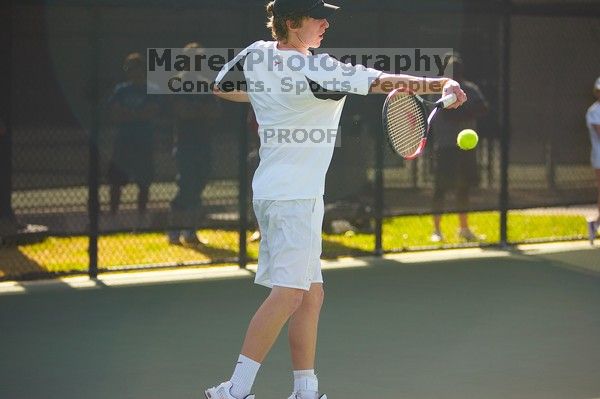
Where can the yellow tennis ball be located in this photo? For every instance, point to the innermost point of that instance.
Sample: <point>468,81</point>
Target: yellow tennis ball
<point>467,139</point>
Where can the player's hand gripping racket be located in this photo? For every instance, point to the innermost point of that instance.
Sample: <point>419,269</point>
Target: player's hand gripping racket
<point>406,123</point>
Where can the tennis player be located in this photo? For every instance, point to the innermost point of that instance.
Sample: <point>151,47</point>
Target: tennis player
<point>295,95</point>
<point>592,119</point>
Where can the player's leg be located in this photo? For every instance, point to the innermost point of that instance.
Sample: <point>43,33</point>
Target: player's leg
<point>284,256</point>
<point>268,321</point>
<point>302,335</point>
<point>302,329</point>
<point>303,325</point>
<point>262,333</point>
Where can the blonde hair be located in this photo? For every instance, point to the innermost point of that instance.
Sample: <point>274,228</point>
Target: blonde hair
<point>133,61</point>
<point>193,48</point>
<point>277,24</point>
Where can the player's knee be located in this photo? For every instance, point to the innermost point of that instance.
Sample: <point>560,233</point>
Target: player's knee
<point>295,301</point>
<point>289,298</point>
<point>315,297</point>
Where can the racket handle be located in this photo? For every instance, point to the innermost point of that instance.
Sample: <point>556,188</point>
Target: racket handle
<point>446,101</point>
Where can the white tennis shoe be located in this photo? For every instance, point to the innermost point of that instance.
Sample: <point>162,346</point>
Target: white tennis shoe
<point>305,395</point>
<point>436,236</point>
<point>223,391</point>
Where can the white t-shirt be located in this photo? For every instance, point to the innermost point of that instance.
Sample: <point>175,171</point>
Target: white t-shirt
<point>593,118</point>
<point>298,101</point>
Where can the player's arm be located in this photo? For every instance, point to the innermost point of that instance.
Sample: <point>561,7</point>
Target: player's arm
<point>237,96</point>
<point>597,129</point>
<point>419,85</point>
<point>231,81</point>
<point>388,82</point>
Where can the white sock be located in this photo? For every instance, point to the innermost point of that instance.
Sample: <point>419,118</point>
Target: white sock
<point>243,376</point>
<point>305,380</point>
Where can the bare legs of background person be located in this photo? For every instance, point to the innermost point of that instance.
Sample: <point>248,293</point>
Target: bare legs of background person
<point>142,199</point>
<point>464,231</point>
<point>115,198</point>
<point>142,205</point>
<point>463,201</point>
<point>437,229</point>
<point>438,206</point>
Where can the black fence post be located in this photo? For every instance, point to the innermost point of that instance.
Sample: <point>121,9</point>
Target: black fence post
<point>379,192</point>
<point>505,123</point>
<point>382,34</point>
<point>94,170</point>
<point>5,114</point>
<point>243,190</point>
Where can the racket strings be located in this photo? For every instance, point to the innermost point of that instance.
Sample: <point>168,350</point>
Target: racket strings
<point>406,124</point>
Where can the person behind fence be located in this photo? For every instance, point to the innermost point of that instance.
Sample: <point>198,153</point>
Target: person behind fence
<point>11,229</point>
<point>456,170</point>
<point>7,218</point>
<point>592,118</point>
<point>288,185</point>
<point>8,222</point>
<point>134,111</point>
<point>195,116</point>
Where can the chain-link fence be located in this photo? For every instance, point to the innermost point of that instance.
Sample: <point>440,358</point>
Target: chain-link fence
<point>81,193</point>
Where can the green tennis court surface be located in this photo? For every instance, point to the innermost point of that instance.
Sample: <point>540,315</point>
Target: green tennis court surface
<point>509,327</point>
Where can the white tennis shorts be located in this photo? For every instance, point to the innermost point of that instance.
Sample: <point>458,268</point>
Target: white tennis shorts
<point>290,245</point>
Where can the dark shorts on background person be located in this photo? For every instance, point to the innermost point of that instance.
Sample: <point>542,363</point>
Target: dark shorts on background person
<point>132,161</point>
<point>455,171</point>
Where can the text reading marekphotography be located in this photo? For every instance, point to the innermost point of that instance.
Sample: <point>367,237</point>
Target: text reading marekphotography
<point>185,71</point>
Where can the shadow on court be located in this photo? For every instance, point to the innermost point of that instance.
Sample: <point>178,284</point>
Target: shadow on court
<point>515,327</point>
<point>333,249</point>
<point>15,265</point>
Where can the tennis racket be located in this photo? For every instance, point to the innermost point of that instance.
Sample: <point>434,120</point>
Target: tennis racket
<point>406,123</point>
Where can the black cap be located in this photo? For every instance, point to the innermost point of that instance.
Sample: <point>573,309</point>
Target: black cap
<point>317,9</point>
